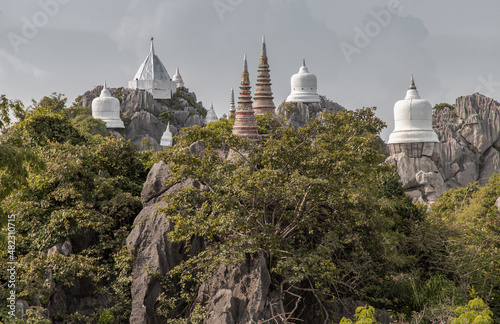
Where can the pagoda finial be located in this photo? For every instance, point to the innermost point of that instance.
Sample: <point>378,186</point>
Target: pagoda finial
<point>263,52</point>
<point>412,83</point>
<point>152,50</point>
<point>105,86</point>
<point>177,71</point>
<point>304,61</point>
<point>245,77</point>
<point>232,107</point>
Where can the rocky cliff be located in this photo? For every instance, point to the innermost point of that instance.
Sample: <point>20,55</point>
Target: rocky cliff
<point>141,113</point>
<point>468,151</point>
<point>237,293</point>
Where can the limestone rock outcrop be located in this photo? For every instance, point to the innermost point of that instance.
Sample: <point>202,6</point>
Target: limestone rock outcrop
<point>240,293</point>
<point>237,293</point>
<point>299,113</point>
<point>153,252</point>
<point>469,135</point>
<point>420,176</point>
<point>469,149</point>
<point>141,113</point>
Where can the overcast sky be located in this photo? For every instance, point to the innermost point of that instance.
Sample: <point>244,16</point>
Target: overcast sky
<point>362,51</point>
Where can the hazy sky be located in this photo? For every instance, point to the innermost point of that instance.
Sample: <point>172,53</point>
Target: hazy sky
<point>362,51</point>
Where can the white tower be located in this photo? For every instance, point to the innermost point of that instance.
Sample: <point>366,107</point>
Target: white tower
<point>178,79</point>
<point>413,132</point>
<point>304,86</point>
<point>153,77</point>
<point>107,108</point>
<point>211,115</point>
<point>166,139</point>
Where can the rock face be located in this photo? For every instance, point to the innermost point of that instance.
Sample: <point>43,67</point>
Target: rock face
<point>154,253</point>
<point>420,176</point>
<point>141,114</point>
<point>299,113</point>
<point>468,151</point>
<point>469,134</point>
<point>240,294</point>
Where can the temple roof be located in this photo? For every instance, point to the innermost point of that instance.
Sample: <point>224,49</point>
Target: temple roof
<point>152,68</point>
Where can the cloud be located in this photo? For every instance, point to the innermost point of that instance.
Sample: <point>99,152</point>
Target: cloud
<point>23,67</point>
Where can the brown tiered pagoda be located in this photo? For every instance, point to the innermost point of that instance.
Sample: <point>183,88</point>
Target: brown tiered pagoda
<point>244,122</point>
<point>263,98</point>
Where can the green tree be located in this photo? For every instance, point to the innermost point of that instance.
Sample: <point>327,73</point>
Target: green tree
<point>467,239</point>
<point>88,193</point>
<point>476,312</point>
<point>364,315</point>
<point>316,201</point>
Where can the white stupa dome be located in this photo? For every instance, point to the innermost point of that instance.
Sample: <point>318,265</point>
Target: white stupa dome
<point>304,86</point>
<point>413,119</point>
<point>166,139</point>
<point>211,115</point>
<point>107,108</point>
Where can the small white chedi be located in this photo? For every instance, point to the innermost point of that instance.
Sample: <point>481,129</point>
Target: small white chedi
<point>211,115</point>
<point>107,108</point>
<point>177,78</point>
<point>304,86</point>
<point>413,125</point>
<point>166,139</point>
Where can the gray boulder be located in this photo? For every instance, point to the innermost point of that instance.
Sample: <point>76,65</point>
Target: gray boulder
<point>299,113</point>
<point>145,123</point>
<point>240,294</point>
<point>64,248</point>
<point>148,243</point>
<point>490,165</point>
<point>420,177</point>
<point>155,186</point>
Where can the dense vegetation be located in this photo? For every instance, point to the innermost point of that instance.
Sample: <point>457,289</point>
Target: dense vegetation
<point>332,221</point>
<point>78,187</point>
<point>330,218</point>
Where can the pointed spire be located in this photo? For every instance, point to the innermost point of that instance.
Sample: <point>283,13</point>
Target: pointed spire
<point>105,86</point>
<point>152,49</point>
<point>304,62</point>
<point>263,51</point>
<point>412,83</point>
<point>232,107</point>
<point>177,71</point>
<point>245,77</point>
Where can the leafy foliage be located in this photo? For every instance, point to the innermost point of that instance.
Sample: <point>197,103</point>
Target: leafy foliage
<point>364,315</point>
<point>316,201</point>
<point>476,312</point>
<point>87,193</point>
